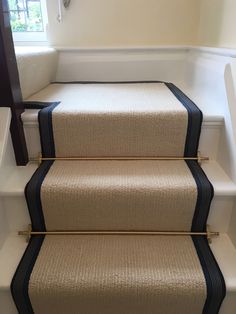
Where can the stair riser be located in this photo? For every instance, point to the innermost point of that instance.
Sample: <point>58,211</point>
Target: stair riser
<point>208,145</point>
<point>15,212</point>
<point>9,307</point>
<point>209,140</point>
<point>220,213</point>
<point>16,215</point>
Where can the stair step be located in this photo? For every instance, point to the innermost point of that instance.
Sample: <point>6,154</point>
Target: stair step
<point>129,274</point>
<point>101,101</point>
<point>16,212</point>
<point>14,247</point>
<point>211,131</point>
<point>121,195</point>
<point>67,93</point>
<point>14,184</point>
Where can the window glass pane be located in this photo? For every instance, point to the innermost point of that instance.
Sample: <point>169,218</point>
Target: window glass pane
<point>18,22</point>
<point>12,4</point>
<point>26,15</point>
<point>20,4</point>
<point>35,23</point>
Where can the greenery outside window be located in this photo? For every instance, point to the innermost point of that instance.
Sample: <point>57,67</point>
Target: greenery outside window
<point>28,20</point>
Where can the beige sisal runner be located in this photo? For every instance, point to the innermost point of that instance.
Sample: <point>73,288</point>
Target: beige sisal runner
<point>116,120</point>
<point>117,275</point>
<point>119,195</point>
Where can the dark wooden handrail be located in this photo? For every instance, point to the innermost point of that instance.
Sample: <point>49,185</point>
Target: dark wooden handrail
<point>10,91</point>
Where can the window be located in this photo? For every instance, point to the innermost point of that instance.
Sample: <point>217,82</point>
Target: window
<point>28,19</point>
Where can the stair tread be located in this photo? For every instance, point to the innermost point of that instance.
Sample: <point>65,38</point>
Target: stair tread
<point>18,177</point>
<point>208,104</point>
<point>14,247</point>
<point>67,93</point>
<point>119,195</point>
<point>130,273</point>
<point>121,119</point>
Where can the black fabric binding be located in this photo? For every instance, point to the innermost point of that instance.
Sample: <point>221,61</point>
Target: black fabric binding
<point>194,121</point>
<point>45,124</point>
<point>19,286</point>
<point>32,195</point>
<point>46,130</point>
<point>216,289</point>
<point>214,279</point>
<point>20,281</point>
<point>36,104</point>
<point>204,196</point>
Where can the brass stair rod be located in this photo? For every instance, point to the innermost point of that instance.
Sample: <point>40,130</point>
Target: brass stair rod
<point>170,233</point>
<point>209,234</point>
<point>40,159</point>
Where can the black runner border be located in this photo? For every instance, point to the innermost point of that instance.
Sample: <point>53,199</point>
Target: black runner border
<point>215,283</point>
<point>195,118</point>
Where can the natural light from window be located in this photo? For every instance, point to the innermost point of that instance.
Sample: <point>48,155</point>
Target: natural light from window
<point>28,20</point>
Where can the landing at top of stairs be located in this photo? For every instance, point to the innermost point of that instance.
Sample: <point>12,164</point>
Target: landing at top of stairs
<point>118,119</point>
<point>67,93</point>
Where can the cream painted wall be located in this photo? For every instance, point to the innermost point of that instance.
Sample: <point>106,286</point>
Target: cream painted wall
<point>217,23</point>
<point>114,23</point>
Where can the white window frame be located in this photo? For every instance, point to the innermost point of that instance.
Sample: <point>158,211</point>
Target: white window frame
<point>29,37</point>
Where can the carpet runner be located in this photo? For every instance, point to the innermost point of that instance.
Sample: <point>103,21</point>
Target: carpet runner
<point>130,274</point>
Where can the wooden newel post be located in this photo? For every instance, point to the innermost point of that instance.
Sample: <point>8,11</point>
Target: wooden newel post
<point>10,91</point>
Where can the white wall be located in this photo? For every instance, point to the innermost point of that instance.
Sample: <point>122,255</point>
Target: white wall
<point>109,23</point>
<point>217,23</point>
<point>116,23</point>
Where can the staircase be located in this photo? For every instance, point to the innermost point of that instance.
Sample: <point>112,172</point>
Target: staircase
<point>115,177</point>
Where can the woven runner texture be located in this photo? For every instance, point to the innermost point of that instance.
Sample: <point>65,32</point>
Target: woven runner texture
<point>119,195</point>
<point>118,120</point>
<point>117,274</point>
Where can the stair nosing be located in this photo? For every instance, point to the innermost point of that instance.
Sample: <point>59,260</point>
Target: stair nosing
<point>31,119</point>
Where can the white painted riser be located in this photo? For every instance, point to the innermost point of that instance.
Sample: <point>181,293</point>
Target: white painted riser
<point>209,140</point>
